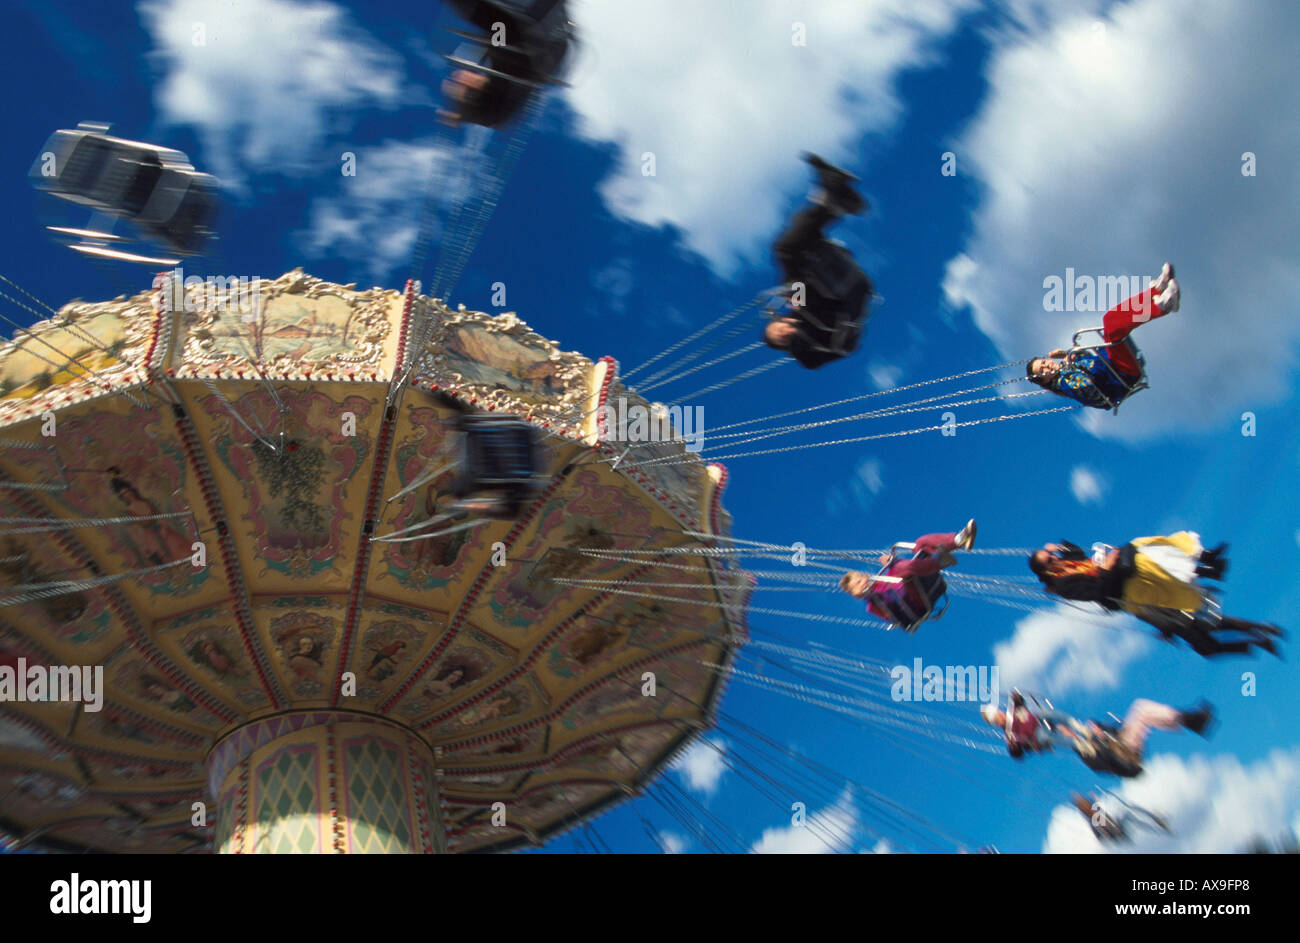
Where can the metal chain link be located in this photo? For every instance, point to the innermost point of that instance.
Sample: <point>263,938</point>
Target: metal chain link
<point>734,312</point>
<point>722,384</point>
<point>867,438</point>
<point>853,399</point>
<point>867,623</point>
<point>46,590</point>
<point>886,411</point>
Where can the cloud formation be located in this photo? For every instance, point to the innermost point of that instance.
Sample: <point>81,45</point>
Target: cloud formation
<point>1087,486</point>
<point>701,766</point>
<point>265,82</point>
<point>1214,805</point>
<point>1077,171</point>
<point>1064,649</point>
<point>372,215</point>
<point>724,100</point>
<point>828,831</point>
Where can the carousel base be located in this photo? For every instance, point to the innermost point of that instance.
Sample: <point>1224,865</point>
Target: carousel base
<point>325,782</point>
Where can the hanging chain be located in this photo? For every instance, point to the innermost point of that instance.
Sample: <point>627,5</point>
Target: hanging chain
<point>734,312</point>
<point>854,399</point>
<point>867,438</point>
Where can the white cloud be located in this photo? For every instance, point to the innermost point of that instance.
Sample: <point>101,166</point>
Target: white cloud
<point>1214,805</point>
<point>673,843</point>
<point>270,81</point>
<point>884,376</point>
<point>615,281</point>
<point>372,216</point>
<point>826,832</point>
<point>702,766</point>
<point>1111,156</point>
<point>1065,649</point>
<point>868,476</point>
<point>867,482</point>
<point>1087,486</point>
<point>725,101</point>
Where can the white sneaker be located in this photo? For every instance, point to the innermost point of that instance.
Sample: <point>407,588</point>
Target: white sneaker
<point>965,539</point>
<point>1161,280</point>
<point>1167,301</point>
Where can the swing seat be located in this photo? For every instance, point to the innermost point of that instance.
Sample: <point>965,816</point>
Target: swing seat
<point>932,590</point>
<point>1131,385</point>
<point>156,188</point>
<point>537,41</point>
<point>498,456</point>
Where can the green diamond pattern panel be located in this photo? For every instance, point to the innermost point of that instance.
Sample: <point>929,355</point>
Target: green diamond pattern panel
<point>378,814</point>
<point>286,804</point>
<point>225,824</point>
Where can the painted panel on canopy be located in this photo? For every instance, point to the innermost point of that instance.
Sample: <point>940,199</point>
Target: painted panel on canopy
<point>126,465</point>
<point>495,359</point>
<point>545,805</point>
<point>207,646</point>
<point>515,704</point>
<point>480,787</point>
<point>586,514</point>
<point>299,322</point>
<point>301,636</point>
<point>70,628</point>
<point>474,660</point>
<point>146,689</point>
<point>393,639</point>
<point>305,503</point>
<point>121,773</point>
<point>626,628</point>
<point>34,795</point>
<point>618,754</point>
<point>118,728</point>
<point>621,696</point>
<point>77,353</point>
<point>514,747</point>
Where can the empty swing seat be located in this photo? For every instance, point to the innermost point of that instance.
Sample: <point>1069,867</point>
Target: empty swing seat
<point>155,188</point>
<point>498,456</point>
<point>537,39</point>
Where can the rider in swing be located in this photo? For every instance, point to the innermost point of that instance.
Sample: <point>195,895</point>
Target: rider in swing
<point>898,598</point>
<point>826,290</point>
<point>1104,376</point>
<point>524,45</point>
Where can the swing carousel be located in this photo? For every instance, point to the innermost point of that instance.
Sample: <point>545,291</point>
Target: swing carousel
<point>252,518</point>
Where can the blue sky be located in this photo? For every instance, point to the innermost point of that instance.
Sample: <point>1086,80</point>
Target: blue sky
<point>1106,137</point>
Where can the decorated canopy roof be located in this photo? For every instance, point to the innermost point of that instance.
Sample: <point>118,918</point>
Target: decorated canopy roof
<point>277,442</point>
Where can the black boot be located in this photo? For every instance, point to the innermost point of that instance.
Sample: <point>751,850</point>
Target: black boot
<point>1214,561</point>
<point>840,195</point>
<point>1198,721</point>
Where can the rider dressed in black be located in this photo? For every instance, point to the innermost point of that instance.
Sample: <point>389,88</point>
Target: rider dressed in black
<point>824,324</point>
<point>493,89</point>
